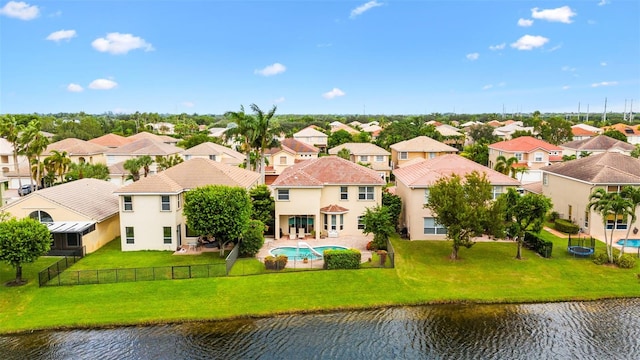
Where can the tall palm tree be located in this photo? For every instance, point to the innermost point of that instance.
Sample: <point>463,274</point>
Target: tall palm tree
<point>633,195</point>
<point>265,134</point>
<point>165,162</point>
<point>609,204</point>
<point>133,166</point>
<point>243,132</point>
<point>10,130</point>
<point>32,144</point>
<point>145,162</point>
<point>58,162</point>
<point>506,166</point>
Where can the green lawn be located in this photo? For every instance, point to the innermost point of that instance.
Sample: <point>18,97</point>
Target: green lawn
<point>487,272</point>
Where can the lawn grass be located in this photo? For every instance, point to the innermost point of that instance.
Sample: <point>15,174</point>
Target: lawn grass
<point>488,272</point>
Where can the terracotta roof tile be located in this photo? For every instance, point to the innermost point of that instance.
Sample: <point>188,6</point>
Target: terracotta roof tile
<point>358,149</point>
<point>333,209</point>
<point>75,147</point>
<point>299,146</point>
<point>598,143</point>
<point>111,140</point>
<point>604,168</point>
<point>524,144</point>
<point>145,147</point>
<point>422,144</point>
<point>327,170</point>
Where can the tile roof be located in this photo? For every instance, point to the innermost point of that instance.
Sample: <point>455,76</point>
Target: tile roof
<point>428,171</point>
<point>534,187</point>
<point>299,146</point>
<point>209,148</point>
<point>145,147</point>
<point>344,127</point>
<point>524,144</point>
<point>624,128</point>
<point>422,144</point>
<point>579,131</point>
<point>333,209</point>
<point>75,147</point>
<point>148,135</point>
<point>598,143</point>
<point>309,131</point>
<point>604,168</point>
<point>192,174</point>
<point>327,170</point>
<point>111,140</point>
<point>358,149</point>
<point>92,198</point>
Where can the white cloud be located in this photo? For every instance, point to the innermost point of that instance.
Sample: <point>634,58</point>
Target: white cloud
<point>502,84</point>
<point>74,88</point>
<point>525,22</point>
<point>61,35</point>
<point>20,10</point>
<point>279,100</point>
<point>603,64</point>
<point>271,70</point>
<point>568,68</point>
<point>487,87</point>
<point>566,87</point>
<point>117,43</point>
<point>555,48</point>
<point>364,7</point>
<point>529,42</point>
<point>561,14</point>
<point>603,2</point>
<point>604,83</point>
<point>102,84</point>
<point>335,92</point>
<point>188,104</point>
<point>473,56</point>
<point>497,47</point>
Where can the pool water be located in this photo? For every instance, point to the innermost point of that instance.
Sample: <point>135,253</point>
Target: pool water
<point>294,253</point>
<point>630,243</point>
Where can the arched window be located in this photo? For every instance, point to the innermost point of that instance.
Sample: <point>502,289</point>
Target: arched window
<point>41,216</point>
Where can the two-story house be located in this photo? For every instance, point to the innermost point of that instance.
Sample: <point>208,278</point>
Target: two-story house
<point>632,132</point>
<point>530,152</point>
<point>141,147</point>
<point>596,145</point>
<point>288,153</point>
<point>79,151</point>
<point>413,183</point>
<point>421,147</point>
<point>569,185</point>
<point>215,152</point>
<point>151,215</point>
<point>310,135</point>
<point>328,195</point>
<point>111,140</point>
<point>367,154</point>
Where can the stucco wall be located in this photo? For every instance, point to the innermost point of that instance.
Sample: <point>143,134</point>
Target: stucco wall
<point>148,221</point>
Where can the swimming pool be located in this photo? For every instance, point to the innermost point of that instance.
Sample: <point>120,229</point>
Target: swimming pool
<point>630,243</point>
<point>294,253</point>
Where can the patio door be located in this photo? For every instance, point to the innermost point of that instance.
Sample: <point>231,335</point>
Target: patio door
<point>302,221</point>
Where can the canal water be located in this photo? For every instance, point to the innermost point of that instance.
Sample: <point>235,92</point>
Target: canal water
<point>577,330</point>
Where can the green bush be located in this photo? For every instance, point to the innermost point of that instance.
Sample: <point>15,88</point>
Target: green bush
<point>541,246</point>
<point>553,216</point>
<point>600,258</point>
<point>342,259</point>
<point>566,226</point>
<point>626,261</point>
<point>252,239</point>
<point>275,263</point>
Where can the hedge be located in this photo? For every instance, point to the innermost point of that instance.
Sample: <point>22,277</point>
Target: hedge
<point>566,226</point>
<point>342,259</point>
<point>541,246</point>
<point>275,263</point>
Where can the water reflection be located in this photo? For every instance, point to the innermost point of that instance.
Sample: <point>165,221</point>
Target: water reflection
<point>592,330</point>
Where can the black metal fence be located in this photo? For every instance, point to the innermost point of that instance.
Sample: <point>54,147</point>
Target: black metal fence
<point>61,265</point>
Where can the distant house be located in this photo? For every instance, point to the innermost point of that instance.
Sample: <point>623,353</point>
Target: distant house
<point>530,152</point>
<point>569,185</point>
<point>163,128</point>
<point>141,147</point>
<point>111,140</point>
<point>413,183</point>
<point>327,195</point>
<point>312,136</point>
<point>336,126</point>
<point>78,213</point>
<point>287,154</point>
<point>158,138</point>
<point>79,151</point>
<point>151,209</point>
<point>596,145</point>
<point>421,147</point>
<point>367,154</point>
<point>632,132</point>
<point>580,133</point>
<point>215,152</point>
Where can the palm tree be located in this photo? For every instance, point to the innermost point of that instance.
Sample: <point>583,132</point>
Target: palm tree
<point>32,144</point>
<point>58,163</point>
<point>165,162</point>
<point>265,134</point>
<point>609,204</point>
<point>505,165</point>
<point>133,166</point>
<point>10,130</point>
<point>633,195</point>
<point>145,162</point>
<point>243,132</point>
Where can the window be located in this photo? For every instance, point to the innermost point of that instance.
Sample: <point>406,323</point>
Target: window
<point>538,157</point>
<point>614,188</point>
<point>283,160</point>
<point>433,228</point>
<point>341,221</point>
<point>545,179</point>
<point>403,155</point>
<point>283,194</point>
<point>128,203</point>
<point>426,195</point>
<point>41,216</point>
<point>166,234</point>
<point>166,203</point>
<point>344,193</point>
<point>586,219</point>
<point>432,155</point>
<point>187,157</point>
<point>518,156</point>
<point>379,158</point>
<point>620,224</point>
<point>364,158</point>
<point>212,157</point>
<point>73,240</point>
<point>179,200</point>
<point>361,222</point>
<point>497,191</point>
<point>130,237</point>
<point>365,193</point>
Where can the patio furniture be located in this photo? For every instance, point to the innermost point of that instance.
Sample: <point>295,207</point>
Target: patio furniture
<point>301,233</point>
<point>292,233</point>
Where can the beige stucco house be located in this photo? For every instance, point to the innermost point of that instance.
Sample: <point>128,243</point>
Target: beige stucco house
<point>215,152</point>
<point>310,135</point>
<point>151,215</point>
<point>596,145</point>
<point>632,132</point>
<point>78,213</point>
<point>368,154</point>
<point>111,140</point>
<point>421,147</point>
<point>79,151</point>
<point>413,183</point>
<point>325,196</point>
<point>569,185</point>
<point>531,153</point>
<point>288,153</point>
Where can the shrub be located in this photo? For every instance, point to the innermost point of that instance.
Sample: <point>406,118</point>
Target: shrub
<point>541,246</point>
<point>275,263</point>
<point>553,216</point>
<point>626,261</point>
<point>253,238</point>
<point>566,226</point>
<point>342,259</point>
<point>600,258</point>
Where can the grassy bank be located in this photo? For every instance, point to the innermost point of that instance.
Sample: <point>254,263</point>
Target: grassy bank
<point>487,272</point>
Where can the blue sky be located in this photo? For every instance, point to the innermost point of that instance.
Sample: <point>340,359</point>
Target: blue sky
<point>319,57</point>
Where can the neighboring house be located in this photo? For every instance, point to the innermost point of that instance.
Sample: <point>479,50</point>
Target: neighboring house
<point>79,151</point>
<point>504,132</point>
<point>151,215</point>
<point>118,175</point>
<point>288,153</point>
<point>569,185</point>
<point>367,154</point>
<point>596,145</point>
<point>421,147</point>
<point>215,152</point>
<point>311,136</point>
<point>531,153</point>
<point>6,157</point>
<point>158,138</point>
<point>327,195</point>
<point>141,147</point>
<point>580,133</point>
<point>336,126</point>
<point>111,140</point>
<point>588,128</point>
<point>163,128</point>
<point>78,213</point>
<point>631,131</point>
<point>413,183</point>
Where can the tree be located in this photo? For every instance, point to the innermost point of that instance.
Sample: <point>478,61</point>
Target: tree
<point>477,152</point>
<point>338,138</point>
<point>10,130</point>
<point>394,204</point>
<point>87,171</point>
<point>244,131</point>
<point>506,166</point>
<point>519,133</point>
<point>265,134</point>
<point>32,144</point>
<point>58,163</point>
<point>555,130</point>
<point>344,153</point>
<point>609,205</point>
<point>165,162</point>
<point>636,152</point>
<point>264,207</point>
<point>145,161</point>
<point>613,133</point>
<point>221,211</point>
<point>198,139</point>
<point>378,221</point>
<point>633,195</point>
<point>525,212</point>
<point>23,241</point>
<point>462,207</point>
<point>133,167</point>
<point>483,134</point>
<point>252,239</point>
